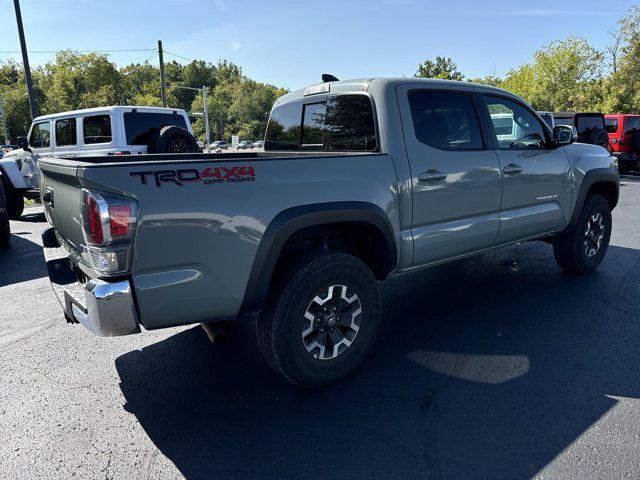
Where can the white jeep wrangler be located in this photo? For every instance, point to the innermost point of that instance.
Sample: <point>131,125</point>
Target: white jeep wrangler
<point>118,130</point>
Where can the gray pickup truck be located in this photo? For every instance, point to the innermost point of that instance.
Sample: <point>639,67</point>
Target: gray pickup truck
<point>359,180</point>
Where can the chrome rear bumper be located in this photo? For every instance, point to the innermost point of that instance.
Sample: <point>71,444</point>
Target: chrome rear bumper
<point>104,308</point>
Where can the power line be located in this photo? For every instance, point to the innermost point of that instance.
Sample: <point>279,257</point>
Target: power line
<point>179,56</point>
<point>82,51</point>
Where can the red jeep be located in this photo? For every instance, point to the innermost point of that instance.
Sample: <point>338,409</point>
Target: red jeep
<point>624,140</point>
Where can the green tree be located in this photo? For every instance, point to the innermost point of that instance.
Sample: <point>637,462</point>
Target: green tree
<point>441,67</point>
<point>564,75</point>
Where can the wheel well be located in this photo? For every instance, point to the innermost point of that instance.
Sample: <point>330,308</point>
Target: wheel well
<point>360,239</point>
<point>608,190</point>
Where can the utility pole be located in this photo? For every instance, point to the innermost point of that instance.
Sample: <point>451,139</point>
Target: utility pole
<point>4,123</point>
<point>162,82</point>
<point>25,61</point>
<point>207,135</point>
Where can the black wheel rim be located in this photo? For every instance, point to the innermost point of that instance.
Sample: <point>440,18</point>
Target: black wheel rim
<point>331,322</point>
<point>593,235</point>
<point>178,146</point>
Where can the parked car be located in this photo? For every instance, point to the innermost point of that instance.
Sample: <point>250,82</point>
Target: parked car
<point>103,131</point>
<point>258,144</point>
<point>548,118</point>
<point>624,140</point>
<point>359,180</point>
<point>590,126</point>
<point>220,144</point>
<point>6,149</point>
<point>245,144</point>
<point>5,226</point>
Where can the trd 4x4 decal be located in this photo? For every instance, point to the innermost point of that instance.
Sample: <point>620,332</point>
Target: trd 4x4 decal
<point>208,175</point>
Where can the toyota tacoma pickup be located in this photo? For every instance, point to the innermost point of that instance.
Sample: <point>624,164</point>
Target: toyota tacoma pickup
<point>359,180</point>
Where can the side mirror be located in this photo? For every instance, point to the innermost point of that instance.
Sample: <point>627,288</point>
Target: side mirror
<point>22,142</point>
<point>564,135</point>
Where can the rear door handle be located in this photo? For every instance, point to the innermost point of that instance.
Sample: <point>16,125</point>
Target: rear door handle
<point>511,169</point>
<point>432,176</point>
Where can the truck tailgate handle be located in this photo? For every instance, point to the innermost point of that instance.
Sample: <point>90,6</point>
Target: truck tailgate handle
<point>511,169</point>
<point>432,176</point>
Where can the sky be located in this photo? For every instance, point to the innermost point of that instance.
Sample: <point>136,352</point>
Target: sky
<point>291,43</point>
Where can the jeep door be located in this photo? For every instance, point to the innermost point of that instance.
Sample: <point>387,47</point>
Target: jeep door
<point>536,187</point>
<point>455,175</point>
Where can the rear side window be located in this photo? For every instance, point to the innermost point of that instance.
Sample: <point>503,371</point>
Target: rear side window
<point>611,125</point>
<point>341,123</point>
<point>97,129</point>
<point>632,125</point>
<point>138,125</point>
<point>584,124</point>
<point>66,132</point>
<point>40,135</point>
<point>445,120</point>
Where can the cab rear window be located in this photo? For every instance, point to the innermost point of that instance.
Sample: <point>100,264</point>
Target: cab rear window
<point>338,123</point>
<point>139,125</point>
<point>611,125</point>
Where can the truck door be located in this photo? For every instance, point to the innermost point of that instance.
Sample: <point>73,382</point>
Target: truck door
<point>455,175</point>
<point>536,189</point>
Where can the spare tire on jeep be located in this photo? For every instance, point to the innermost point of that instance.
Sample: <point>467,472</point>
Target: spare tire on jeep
<point>598,137</point>
<point>172,139</point>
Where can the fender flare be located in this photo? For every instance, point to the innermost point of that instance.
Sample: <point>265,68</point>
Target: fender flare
<point>293,219</point>
<point>605,175</point>
<point>12,175</point>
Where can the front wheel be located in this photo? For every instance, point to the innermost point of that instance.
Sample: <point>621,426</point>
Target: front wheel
<point>583,248</point>
<point>15,206</point>
<point>5,229</point>
<point>322,320</point>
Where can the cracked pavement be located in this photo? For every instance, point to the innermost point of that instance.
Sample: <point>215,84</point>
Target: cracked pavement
<point>498,366</point>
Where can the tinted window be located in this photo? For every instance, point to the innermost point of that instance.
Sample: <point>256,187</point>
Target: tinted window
<point>66,132</point>
<point>40,135</point>
<point>611,125</point>
<point>97,129</point>
<point>632,124</point>
<point>341,123</point>
<point>586,124</point>
<point>526,131</point>
<point>139,125</point>
<point>445,120</point>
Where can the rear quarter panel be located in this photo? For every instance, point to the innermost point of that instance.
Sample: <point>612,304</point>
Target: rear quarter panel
<point>195,243</point>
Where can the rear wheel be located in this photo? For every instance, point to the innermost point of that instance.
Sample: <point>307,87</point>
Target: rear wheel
<point>582,249</point>
<point>322,320</point>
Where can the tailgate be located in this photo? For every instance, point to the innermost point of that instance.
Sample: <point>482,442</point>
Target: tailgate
<point>61,194</point>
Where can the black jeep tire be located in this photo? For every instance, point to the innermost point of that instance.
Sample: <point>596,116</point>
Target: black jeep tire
<point>15,206</point>
<point>599,137</point>
<point>334,279</point>
<point>5,230</point>
<point>14,201</point>
<point>5,227</point>
<point>577,250</point>
<point>173,139</point>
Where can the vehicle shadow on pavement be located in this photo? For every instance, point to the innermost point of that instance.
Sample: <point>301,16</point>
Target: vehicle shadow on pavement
<point>484,368</point>
<point>35,217</point>
<point>22,261</point>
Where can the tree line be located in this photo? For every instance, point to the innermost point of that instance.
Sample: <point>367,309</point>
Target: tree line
<point>236,104</point>
<point>570,74</point>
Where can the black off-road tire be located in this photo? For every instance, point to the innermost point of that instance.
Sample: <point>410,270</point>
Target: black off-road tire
<point>599,137</point>
<point>279,327</point>
<point>569,248</point>
<point>5,230</point>
<point>15,206</point>
<point>173,139</point>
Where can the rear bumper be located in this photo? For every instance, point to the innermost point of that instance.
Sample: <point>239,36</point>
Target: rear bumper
<point>104,308</point>
<point>626,156</point>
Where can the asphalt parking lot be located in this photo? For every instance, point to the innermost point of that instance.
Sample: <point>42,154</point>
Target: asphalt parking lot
<point>499,366</point>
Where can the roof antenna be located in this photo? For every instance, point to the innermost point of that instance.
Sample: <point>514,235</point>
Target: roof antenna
<point>327,77</point>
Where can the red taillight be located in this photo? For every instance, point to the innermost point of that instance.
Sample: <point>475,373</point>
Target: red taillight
<point>119,218</point>
<point>94,220</point>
